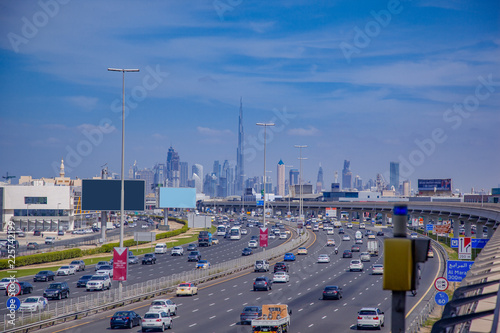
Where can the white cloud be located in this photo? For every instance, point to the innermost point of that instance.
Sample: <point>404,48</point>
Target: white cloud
<point>84,102</point>
<point>213,132</point>
<point>309,131</point>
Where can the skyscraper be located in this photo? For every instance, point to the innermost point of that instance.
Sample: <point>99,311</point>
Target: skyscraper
<point>198,177</point>
<point>346,175</point>
<point>294,177</point>
<point>160,172</point>
<point>240,170</point>
<point>394,176</point>
<point>148,176</point>
<point>183,174</point>
<point>173,168</point>
<point>281,179</point>
<point>319,182</point>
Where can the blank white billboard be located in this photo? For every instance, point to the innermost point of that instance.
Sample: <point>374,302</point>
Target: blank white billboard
<point>171,197</point>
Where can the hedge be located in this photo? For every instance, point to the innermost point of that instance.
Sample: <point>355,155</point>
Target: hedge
<point>41,258</point>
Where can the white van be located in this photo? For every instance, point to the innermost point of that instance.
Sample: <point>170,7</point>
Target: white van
<point>329,231</point>
<point>358,235</point>
<point>161,248</point>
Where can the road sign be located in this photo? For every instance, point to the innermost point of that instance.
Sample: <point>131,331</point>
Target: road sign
<point>441,298</point>
<point>13,303</point>
<point>456,270</point>
<point>120,263</point>
<point>464,248</point>
<point>441,284</point>
<point>429,227</point>
<point>454,243</point>
<point>263,237</point>
<point>260,202</point>
<point>479,243</point>
<point>13,289</point>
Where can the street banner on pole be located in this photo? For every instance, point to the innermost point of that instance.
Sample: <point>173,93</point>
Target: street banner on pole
<point>263,237</point>
<point>120,263</point>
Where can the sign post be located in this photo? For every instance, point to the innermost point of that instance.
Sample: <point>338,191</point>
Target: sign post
<point>464,248</point>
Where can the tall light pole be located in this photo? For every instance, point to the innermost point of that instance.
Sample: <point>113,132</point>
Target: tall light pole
<point>122,200</point>
<point>265,125</point>
<point>243,198</point>
<point>301,208</point>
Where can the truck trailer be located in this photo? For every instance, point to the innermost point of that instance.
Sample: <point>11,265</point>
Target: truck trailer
<point>275,319</point>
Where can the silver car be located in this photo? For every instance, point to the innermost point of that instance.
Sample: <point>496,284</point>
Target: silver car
<point>364,256</point>
<point>156,320</point>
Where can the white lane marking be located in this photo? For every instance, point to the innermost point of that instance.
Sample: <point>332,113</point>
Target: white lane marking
<point>195,310</point>
<point>229,310</point>
<point>212,317</point>
<point>210,294</point>
<point>211,304</point>
<point>323,317</point>
<point>192,325</point>
<point>300,310</point>
<point>226,298</point>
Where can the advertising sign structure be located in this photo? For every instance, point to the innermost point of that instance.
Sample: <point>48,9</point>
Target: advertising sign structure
<point>120,263</point>
<point>263,237</point>
<point>434,184</point>
<point>171,197</point>
<point>456,270</point>
<point>464,248</point>
<point>331,212</point>
<point>105,194</point>
<point>442,229</point>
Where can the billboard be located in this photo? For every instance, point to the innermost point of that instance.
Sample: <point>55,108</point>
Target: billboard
<point>437,184</point>
<point>120,263</point>
<point>331,212</point>
<point>171,197</point>
<point>105,194</point>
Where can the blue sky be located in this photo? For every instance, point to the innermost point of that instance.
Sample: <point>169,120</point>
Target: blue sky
<point>369,81</point>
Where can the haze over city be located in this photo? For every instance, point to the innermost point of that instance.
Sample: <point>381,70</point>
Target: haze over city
<point>372,82</point>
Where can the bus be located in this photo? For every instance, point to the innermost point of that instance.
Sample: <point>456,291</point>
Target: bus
<point>221,230</point>
<point>235,233</point>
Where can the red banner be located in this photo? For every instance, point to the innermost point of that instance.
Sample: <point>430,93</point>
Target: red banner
<point>120,264</point>
<point>263,237</point>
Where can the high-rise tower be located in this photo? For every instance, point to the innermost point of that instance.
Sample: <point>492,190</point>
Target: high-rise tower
<point>173,168</point>
<point>394,176</point>
<point>346,175</point>
<point>319,182</point>
<point>240,170</point>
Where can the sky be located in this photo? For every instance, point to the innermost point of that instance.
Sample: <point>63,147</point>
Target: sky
<point>415,82</point>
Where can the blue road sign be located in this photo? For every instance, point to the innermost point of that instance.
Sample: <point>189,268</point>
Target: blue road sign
<point>454,243</point>
<point>429,227</point>
<point>477,243</point>
<point>260,202</point>
<point>456,270</point>
<point>441,298</point>
<point>13,303</point>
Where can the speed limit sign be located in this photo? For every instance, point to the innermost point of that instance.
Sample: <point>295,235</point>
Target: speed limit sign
<point>441,284</point>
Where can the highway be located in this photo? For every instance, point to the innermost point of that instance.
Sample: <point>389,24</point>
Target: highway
<point>217,306</point>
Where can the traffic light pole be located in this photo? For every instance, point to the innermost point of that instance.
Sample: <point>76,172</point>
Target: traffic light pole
<point>399,297</point>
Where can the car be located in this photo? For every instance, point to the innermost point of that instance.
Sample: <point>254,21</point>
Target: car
<point>99,282</point>
<point>289,257</point>
<point>281,277</point>
<point>66,270</point>
<point>377,269</point>
<point>26,288</point>
<point>50,240</point>
<point>250,312</point>
<point>6,281</point>
<point>163,305</point>
<point>149,258</point>
<point>359,241</point>
<point>44,276</point>
<point>349,225</point>
<point>191,247</point>
<point>302,251</point>
<point>283,235</point>
<point>194,256</point>
<point>253,244</point>
<point>144,226</point>
<point>380,233</point>
<point>215,241</point>
<point>105,270</point>
<point>60,233</point>
<point>364,256</point>
<point>330,242</point>
<point>341,231</point>
<point>323,258</point>
<point>430,254</point>
<point>161,248</point>
<point>371,236</point>
<point>156,320</point>
<point>362,226</point>
<point>370,317</point>
<point>82,281</point>
<point>271,236</point>
<point>33,303</point>
<point>203,264</point>
<point>356,265</point>
<point>186,288</point>
<point>262,283</point>
<point>244,231</point>
<point>127,319</point>
<point>132,259</point>
<point>246,251</point>
<point>177,251</point>
<point>280,267</point>
<point>100,264</point>
<point>355,248</point>
<point>332,292</point>
<point>413,235</point>
<point>261,266</point>
<point>80,265</point>
<point>57,290</point>
<point>347,254</point>
<point>346,238</point>
<point>37,233</point>
<point>33,246</point>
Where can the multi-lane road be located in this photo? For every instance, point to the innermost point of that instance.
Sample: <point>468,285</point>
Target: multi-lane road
<point>218,304</point>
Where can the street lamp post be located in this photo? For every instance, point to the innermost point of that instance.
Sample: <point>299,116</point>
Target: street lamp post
<point>301,203</point>
<point>122,200</point>
<point>265,125</point>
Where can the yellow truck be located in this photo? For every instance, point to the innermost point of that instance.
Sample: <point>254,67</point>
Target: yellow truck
<point>275,319</point>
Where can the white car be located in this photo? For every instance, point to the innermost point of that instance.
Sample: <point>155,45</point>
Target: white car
<point>163,305</point>
<point>144,226</point>
<point>364,256</point>
<point>283,235</point>
<point>362,226</point>
<point>66,270</point>
<point>253,244</point>
<point>349,225</point>
<point>105,270</point>
<point>323,258</point>
<point>98,282</point>
<point>413,235</point>
<point>5,282</point>
<point>161,248</point>
<point>346,238</point>
<point>271,236</point>
<point>34,303</point>
<point>370,317</point>
<point>281,277</point>
<point>156,320</point>
<point>244,231</point>
<point>356,265</point>
<point>359,240</point>
<point>177,251</point>
<point>377,269</point>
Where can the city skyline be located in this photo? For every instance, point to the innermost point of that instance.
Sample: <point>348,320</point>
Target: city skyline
<point>410,82</point>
